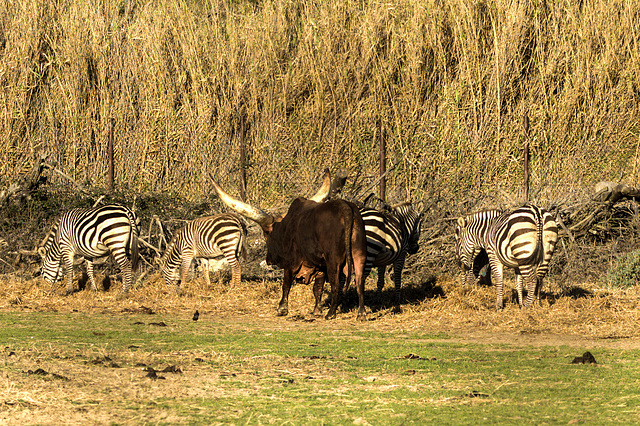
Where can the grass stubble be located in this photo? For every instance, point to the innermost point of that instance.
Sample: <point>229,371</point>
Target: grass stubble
<point>450,357</point>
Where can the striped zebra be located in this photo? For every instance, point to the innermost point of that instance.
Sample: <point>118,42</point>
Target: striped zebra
<point>523,239</point>
<point>215,239</point>
<point>91,233</point>
<point>391,236</point>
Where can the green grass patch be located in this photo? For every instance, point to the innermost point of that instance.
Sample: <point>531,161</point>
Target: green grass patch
<point>253,371</point>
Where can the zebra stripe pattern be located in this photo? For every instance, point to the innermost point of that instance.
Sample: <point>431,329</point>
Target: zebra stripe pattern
<point>390,238</point>
<point>220,237</point>
<point>470,241</point>
<point>523,239</point>
<point>91,233</point>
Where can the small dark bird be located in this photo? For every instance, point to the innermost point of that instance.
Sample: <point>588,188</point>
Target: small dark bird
<point>196,316</point>
<point>586,358</point>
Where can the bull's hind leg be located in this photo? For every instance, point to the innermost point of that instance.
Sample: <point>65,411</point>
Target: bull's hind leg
<point>333,273</point>
<point>360,289</point>
<point>318,287</point>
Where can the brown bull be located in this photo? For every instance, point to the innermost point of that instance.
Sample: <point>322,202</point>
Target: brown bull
<point>313,240</point>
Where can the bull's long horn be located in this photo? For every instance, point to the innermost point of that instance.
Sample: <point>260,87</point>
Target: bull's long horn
<point>261,217</point>
<point>323,192</point>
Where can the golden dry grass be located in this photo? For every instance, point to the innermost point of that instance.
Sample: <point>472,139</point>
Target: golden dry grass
<point>450,81</point>
<point>581,315</point>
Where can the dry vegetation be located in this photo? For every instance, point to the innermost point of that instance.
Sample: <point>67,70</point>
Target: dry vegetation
<point>314,82</point>
<point>450,82</point>
<point>583,316</point>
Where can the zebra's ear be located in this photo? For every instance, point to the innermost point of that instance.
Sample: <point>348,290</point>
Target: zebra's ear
<point>42,252</point>
<point>462,222</point>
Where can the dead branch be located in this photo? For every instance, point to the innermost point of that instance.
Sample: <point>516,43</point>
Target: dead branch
<point>23,187</point>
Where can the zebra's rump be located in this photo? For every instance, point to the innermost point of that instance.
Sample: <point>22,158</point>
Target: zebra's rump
<point>218,240</point>
<point>94,232</point>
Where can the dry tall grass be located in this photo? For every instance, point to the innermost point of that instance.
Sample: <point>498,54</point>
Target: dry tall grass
<point>451,82</point>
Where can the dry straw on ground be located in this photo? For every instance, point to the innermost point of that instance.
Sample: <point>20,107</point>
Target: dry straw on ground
<point>583,315</point>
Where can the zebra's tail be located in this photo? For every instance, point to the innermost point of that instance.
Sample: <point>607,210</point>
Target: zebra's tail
<point>244,244</point>
<point>540,223</point>
<point>133,240</point>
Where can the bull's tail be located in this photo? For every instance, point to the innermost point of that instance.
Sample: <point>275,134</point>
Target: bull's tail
<point>348,237</point>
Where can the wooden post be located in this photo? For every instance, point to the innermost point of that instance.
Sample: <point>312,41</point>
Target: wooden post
<point>110,155</point>
<point>383,162</point>
<point>526,158</point>
<point>56,136</point>
<point>243,161</point>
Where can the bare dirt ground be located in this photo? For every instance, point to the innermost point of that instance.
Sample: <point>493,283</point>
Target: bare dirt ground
<point>581,316</point>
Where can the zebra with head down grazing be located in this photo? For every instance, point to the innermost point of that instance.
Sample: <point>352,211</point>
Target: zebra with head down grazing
<point>391,235</point>
<point>91,233</point>
<point>217,239</point>
<point>523,239</point>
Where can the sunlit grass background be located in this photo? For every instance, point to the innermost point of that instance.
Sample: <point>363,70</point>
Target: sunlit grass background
<point>450,82</point>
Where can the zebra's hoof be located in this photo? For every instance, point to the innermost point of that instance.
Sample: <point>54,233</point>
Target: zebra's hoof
<point>282,312</point>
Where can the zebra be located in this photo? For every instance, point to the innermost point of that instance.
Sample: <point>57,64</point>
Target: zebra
<point>91,233</point>
<point>523,239</point>
<point>469,243</point>
<point>391,236</point>
<point>208,238</point>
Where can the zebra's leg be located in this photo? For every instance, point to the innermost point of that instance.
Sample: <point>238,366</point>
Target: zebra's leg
<point>531,281</point>
<point>381,271</point>
<point>497,277</point>
<point>205,270</point>
<point>121,258</point>
<point>92,277</point>
<point>236,272</point>
<point>540,274</point>
<point>127,275</point>
<point>519,286</point>
<point>538,290</point>
<point>68,266</point>
<point>398,266</point>
<point>187,258</point>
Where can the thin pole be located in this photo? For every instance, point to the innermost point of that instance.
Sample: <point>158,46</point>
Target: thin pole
<point>243,164</point>
<point>383,162</point>
<point>110,154</point>
<point>526,158</point>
